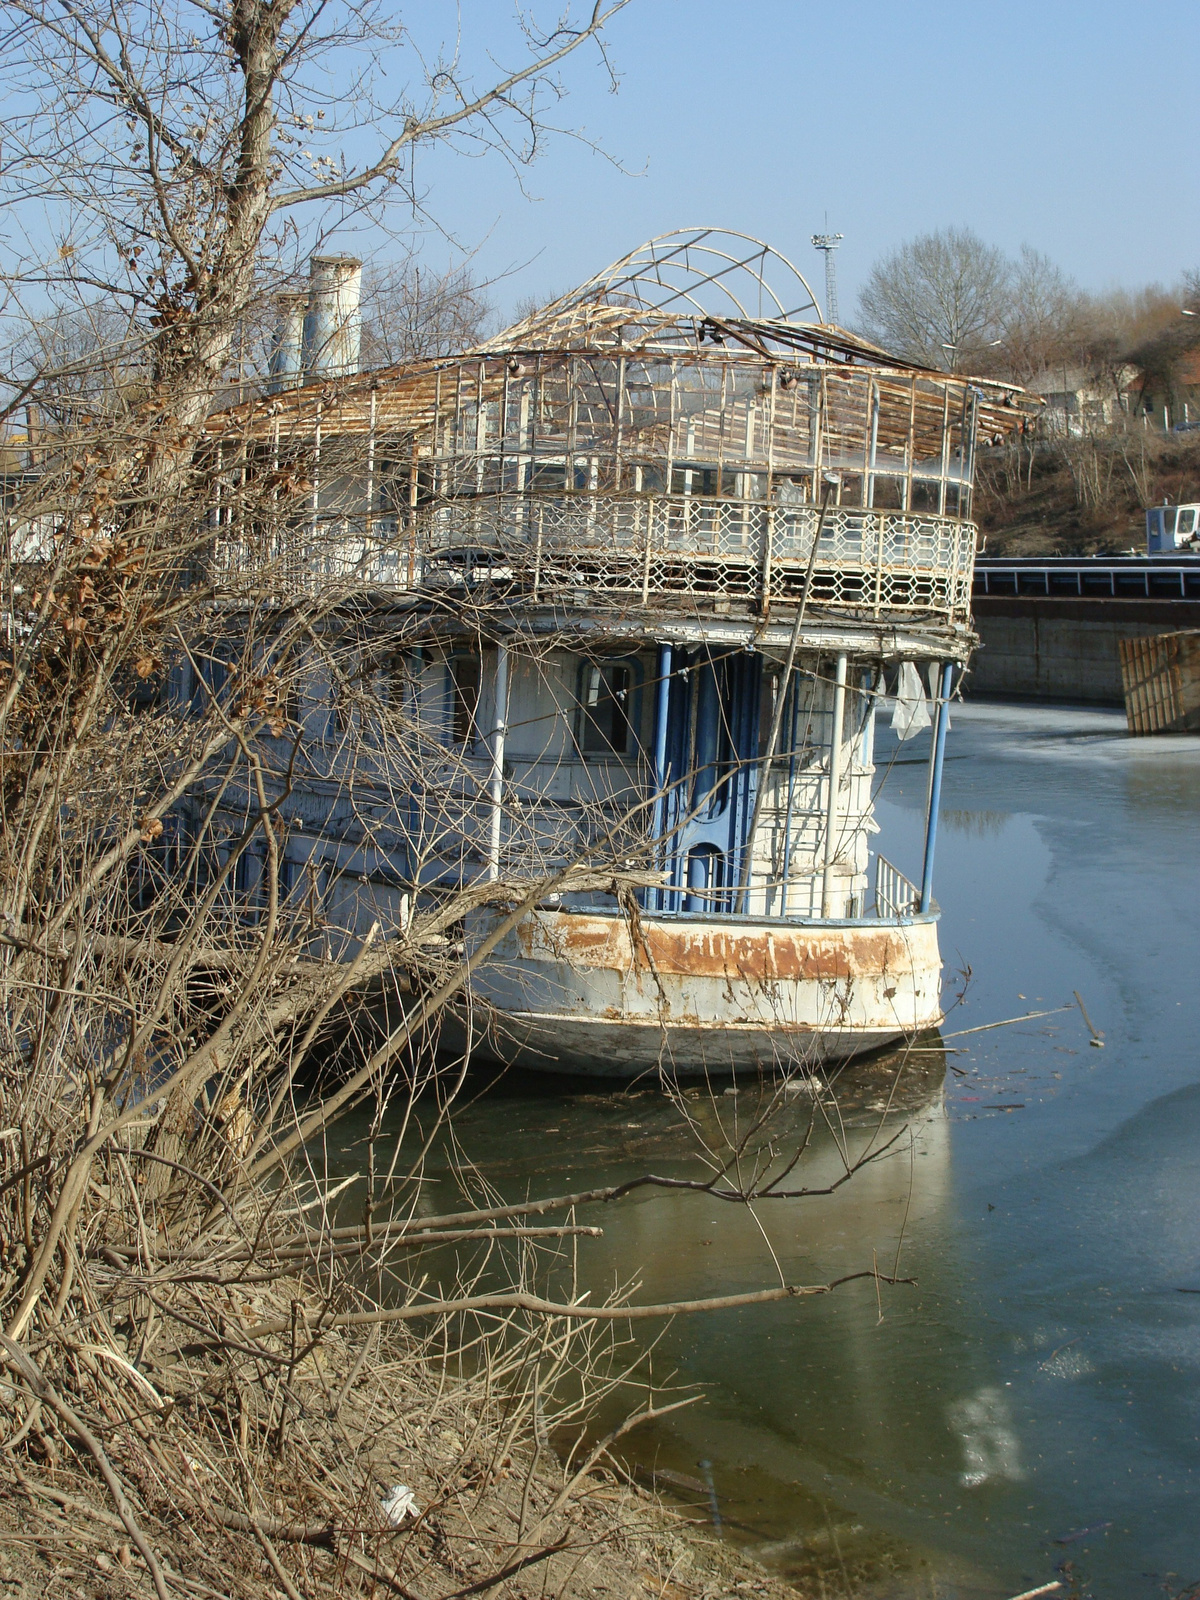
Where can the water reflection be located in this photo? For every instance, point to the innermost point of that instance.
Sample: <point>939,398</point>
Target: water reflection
<point>975,824</point>
<point>831,1403</point>
<point>1032,1399</point>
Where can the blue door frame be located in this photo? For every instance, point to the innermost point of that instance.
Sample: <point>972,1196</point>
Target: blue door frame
<point>706,770</point>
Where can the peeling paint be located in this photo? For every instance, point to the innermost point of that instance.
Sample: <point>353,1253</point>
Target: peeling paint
<point>587,992</point>
<point>701,950</point>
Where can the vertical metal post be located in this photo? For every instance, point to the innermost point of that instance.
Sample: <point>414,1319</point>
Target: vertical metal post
<point>786,872</point>
<point>662,704</point>
<point>496,778</point>
<point>371,461</point>
<point>835,781</point>
<point>937,756</point>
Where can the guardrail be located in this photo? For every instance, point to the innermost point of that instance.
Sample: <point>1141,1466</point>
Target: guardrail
<point>650,549</point>
<point>1136,578</point>
<point>895,895</point>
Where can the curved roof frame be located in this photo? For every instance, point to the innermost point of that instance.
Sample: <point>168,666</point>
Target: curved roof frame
<point>696,293</point>
<point>704,272</point>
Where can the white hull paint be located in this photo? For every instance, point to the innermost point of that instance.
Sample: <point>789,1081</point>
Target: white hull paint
<point>606,996</point>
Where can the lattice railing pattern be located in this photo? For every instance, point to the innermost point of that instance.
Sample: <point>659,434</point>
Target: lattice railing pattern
<point>637,548</point>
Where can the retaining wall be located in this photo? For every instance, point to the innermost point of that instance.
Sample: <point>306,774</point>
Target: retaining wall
<point>1064,649</point>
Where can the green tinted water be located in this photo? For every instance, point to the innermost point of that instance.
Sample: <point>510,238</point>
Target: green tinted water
<point>1029,1410</point>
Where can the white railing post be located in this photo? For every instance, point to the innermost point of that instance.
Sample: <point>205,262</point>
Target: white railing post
<point>496,778</point>
<point>835,780</point>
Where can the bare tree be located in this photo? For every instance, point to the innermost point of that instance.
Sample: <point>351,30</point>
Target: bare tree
<point>1044,320</point>
<point>203,1348</point>
<point>168,146</point>
<point>411,312</point>
<point>940,299</point>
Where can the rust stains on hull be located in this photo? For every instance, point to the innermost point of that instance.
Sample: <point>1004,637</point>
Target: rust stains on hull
<point>759,955</point>
<point>611,993</point>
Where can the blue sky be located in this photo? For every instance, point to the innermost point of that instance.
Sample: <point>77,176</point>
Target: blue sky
<point>1066,125</point>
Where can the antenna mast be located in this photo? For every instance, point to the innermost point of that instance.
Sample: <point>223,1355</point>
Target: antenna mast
<point>827,243</point>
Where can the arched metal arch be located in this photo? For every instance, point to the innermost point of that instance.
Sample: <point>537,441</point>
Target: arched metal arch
<point>713,271</point>
<point>693,273</point>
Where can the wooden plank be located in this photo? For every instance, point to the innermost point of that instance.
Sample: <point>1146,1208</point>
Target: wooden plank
<point>1160,676</point>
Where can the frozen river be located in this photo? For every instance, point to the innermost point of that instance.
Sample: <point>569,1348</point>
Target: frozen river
<point>1029,1410</point>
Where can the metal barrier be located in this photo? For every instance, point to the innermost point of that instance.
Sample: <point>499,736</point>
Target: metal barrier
<point>895,895</point>
<point>652,549</point>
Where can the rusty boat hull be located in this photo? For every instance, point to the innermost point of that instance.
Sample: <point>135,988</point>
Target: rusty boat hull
<point>614,996</point>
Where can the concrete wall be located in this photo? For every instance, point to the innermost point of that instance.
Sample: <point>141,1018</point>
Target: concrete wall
<point>1064,649</point>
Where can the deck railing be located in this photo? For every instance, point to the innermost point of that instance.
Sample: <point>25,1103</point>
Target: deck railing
<point>645,548</point>
<point>895,895</point>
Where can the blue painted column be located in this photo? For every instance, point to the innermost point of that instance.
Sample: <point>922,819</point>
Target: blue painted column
<point>937,758</point>
<point>661,710</point>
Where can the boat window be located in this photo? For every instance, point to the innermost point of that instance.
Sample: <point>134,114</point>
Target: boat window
<point>925,496</point>
<point>465,680</point>
<point>887,493</point>
<point>606,695</point>
<point>548,475</point>
<point>792,491</point>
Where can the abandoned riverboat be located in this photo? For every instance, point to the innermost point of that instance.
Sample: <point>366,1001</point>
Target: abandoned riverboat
<point>651,555</point>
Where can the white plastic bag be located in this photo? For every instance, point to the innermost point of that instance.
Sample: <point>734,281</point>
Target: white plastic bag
<point>398,1504</point>
<point>911,713</point>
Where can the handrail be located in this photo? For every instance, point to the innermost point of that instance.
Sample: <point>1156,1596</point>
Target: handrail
<point>635,548</point>
<point>895,895</point>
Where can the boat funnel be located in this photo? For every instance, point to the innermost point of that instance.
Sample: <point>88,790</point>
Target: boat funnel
<point>287,349</point>
<point>333,321</point>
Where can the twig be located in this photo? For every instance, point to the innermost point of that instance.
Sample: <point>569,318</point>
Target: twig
<point>320,1533</point>
<point>1008,1022</point>
<point>1097,1035</point>
<point>272,1555</point>
<point>394,1234</point>
<point>21,1362</point>
<point>508,1572</point>
<point>377,1570</point>
<point>552,1308</point>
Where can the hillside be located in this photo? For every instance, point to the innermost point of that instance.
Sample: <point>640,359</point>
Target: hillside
<point>1082,496</point>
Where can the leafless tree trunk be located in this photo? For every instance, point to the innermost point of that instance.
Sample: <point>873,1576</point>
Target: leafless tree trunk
<point>171,1245</point>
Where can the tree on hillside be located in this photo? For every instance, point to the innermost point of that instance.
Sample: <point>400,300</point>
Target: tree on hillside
<point>1043,323</point>
<point>940,299</point>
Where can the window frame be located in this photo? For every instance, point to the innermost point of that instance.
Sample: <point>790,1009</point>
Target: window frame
<point>632,709</point>
<point>457,705</point>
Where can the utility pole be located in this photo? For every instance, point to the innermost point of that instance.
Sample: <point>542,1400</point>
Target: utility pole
<point>827,243</point>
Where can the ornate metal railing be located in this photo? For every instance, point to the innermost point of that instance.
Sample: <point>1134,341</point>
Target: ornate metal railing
<point>645,548</point>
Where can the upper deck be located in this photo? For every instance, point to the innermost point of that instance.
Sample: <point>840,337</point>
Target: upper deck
<point>673,434</point>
